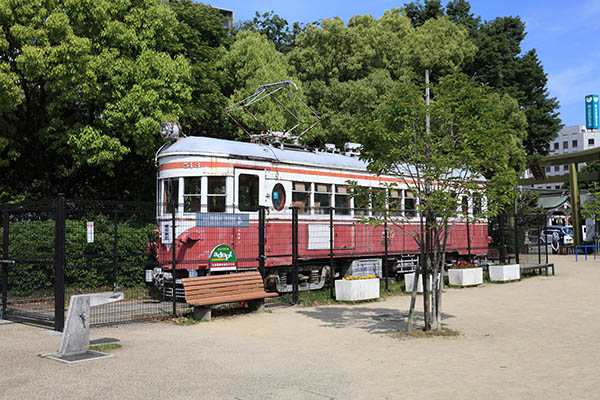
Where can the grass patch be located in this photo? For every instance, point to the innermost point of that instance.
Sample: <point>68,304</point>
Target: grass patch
<point>322,297</point>
<point>105,347</point>
<point>395,288</point>
<point>183,320</point>
<point>310,298</point>
<point>419,333</point>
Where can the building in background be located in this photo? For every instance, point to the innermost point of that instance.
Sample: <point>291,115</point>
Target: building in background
<point>228,14</point>
<point>570,139</point>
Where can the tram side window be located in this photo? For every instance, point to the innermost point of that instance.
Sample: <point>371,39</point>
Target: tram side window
<point>248,192</point>
<point>170,194</point>
<point>191,194</point>
<point>361,202</point>
<point>395,202</point>
<point>301,197</point>
<point>410,204</point>
<point>378,201</point>
<point>322,198</point>
<point>477,205</point>
<point>465,206</point>
<point>342,200</point>
<point>216,194</point>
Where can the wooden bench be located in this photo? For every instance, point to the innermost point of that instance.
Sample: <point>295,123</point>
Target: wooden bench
<point>205,291</point>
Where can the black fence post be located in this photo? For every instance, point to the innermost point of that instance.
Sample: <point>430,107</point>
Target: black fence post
<point>545,244</point>
<point>502,249</point>
<point>517,250</point>
<point>59,264</point>
<point>385,254</point>
<point>116,251</point>
<point>5,227</point>
<point>174,258</point>
<point>261,240</point>
<point>295,255</point>
<point>331,245</point>
<point>468,240</point>
<point>539,240</point>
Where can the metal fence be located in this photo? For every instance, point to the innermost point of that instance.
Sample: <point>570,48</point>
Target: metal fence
<point>55,249</point>
<point>518,238</point>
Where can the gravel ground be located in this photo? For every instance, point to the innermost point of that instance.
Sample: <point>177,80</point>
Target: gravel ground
<point>535,339</point>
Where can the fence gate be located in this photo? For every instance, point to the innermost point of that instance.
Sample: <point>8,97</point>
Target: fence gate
<point>28,263</point>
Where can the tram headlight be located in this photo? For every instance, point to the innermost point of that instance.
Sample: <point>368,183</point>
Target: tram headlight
<point>169,130</point>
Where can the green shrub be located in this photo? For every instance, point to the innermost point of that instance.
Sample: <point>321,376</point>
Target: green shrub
<point>88,264</point>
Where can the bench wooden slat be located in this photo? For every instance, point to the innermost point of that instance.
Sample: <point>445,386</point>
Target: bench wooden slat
<point>201,280</point>
<point>222,291</point>
<point>222,284</point>
<point>229,299</point>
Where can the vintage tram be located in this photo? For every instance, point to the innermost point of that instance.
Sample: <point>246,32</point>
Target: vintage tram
<point>210,191</point>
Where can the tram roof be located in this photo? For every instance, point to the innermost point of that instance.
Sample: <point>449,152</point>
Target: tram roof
<point>199,145</point>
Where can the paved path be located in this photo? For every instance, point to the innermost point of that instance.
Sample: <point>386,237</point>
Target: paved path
<point>534,339</point>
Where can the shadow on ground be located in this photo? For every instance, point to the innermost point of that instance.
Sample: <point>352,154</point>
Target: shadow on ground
<point>373,320</point>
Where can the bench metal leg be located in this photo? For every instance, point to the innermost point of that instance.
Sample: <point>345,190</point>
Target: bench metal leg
<point>202,313</point>
<point>257,305</point>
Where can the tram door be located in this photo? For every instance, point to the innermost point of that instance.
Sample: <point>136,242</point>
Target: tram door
<point>249,193</point>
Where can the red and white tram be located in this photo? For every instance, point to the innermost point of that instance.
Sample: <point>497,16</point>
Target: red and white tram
<point>219,184</point>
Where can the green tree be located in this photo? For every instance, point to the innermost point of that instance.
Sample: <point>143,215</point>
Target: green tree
<point>467,140</point>
<point>275,28</point>
<point>420,12</point>
<point>204,40</point>
<point>498,63</point>
<point>347,70</point>
<point>252,61</point>
<point>87,85</point>
<point>591,208</point>
<point>443,145</point>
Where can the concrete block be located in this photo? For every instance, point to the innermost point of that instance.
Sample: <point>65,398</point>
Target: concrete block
<point>356,289</point>
<point>257,305</point>
<point>76,335</point>
<point>202,313</point>
<point>409,281</point>
<point>505,273</point>
<point>465,276</point>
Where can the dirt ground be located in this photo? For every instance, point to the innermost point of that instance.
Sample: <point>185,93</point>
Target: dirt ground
<point>534,339</point>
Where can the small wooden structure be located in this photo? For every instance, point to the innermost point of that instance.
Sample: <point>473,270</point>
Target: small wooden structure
<point>205,291</point>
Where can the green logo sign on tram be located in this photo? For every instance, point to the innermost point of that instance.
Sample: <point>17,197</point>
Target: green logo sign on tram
<point>222,258</point>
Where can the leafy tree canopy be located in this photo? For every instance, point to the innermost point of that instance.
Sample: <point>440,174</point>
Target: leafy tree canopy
<point>252,61</point>
<point>85,85</point>
<point>500,64</point>
<point>275,28</point>
<point>203,39</point>
<point>348,70</point>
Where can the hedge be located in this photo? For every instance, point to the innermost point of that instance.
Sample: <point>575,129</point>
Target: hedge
<point>88,264</point>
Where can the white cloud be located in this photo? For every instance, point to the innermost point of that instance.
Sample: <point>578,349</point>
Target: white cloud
<point>571,84</point>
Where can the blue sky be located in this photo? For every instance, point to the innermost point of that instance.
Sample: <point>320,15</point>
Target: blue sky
<point>566,35</point>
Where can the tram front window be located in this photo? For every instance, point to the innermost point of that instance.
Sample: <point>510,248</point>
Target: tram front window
<point>170,194</point>
<point>216,194</point>
<point>191,194</point>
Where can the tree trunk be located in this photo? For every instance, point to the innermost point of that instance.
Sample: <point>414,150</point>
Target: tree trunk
<point>426,273</point>
<point>428,226</point>
<point>413,299</point>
